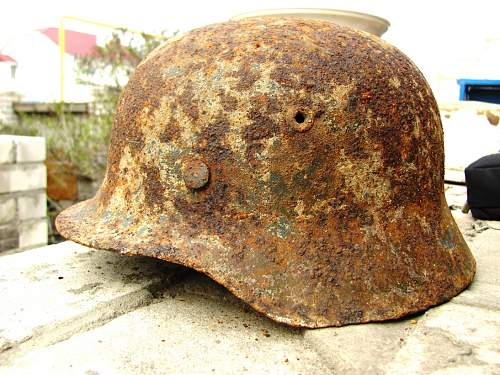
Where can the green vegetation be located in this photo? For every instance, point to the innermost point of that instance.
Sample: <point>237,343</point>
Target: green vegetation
<point>81,141</point>
<point>76,141</point>
<point>77,144</point>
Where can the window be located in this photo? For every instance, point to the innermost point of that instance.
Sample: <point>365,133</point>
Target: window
<point>13,69</point>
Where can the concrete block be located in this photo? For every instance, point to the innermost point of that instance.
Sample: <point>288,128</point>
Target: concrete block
<point>360,349</point>
<point>22,177</point>
<point>32,205</point>
<point>50,293</point>
<point>456,321</point>
<point>480,294</point>
<point>8,244</point>
<point>9,230</point>
<point>455,174</point>
<point>33,233</point>
<point>30,149</point>
<point>451,339</point>
<point>7,209</point>
<point>456,195</point>
<point>485,247</point>
<point>7,149</point>
<point>465,222</point>
<point>184,333</point>
<point>69,309</point>
<point>483,238</point>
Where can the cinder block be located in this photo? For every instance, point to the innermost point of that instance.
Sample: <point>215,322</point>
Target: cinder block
<point>31,206</point>
<point>30,149</point>
<point>21,149</point>
<point>7,209</point>
<point>22,177</point>
<point>33,233</point>
<point>48,289</point>
<point>8,231</point>
<point>7,149</point>
<point>9,243</point>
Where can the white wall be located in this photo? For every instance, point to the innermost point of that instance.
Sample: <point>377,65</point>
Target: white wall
<point>447,39</point>
<point>38,70</point>
<point>7,83</point>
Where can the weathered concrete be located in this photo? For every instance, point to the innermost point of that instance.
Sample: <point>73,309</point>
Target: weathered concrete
<point>23,200</point>
<point>456,196</point>
<point>111,314</point>
<point>21,149</point>
<point>7,209</point>
<point>360,348</point>
<point>30,232</point>
<point>462,336</point>
<point>32,206</point>
<point>451,339</point>
<point>22,177</point>
<point>207,331</point>
<point>49,293</point>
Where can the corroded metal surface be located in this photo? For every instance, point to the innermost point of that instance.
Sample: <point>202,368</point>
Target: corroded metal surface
<point>322,201</point>
<point>195,173</point>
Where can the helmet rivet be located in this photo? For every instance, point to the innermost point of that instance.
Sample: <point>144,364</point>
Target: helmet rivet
<point>195,173</point>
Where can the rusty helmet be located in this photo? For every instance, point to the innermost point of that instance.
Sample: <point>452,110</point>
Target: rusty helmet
<point>296,162</point>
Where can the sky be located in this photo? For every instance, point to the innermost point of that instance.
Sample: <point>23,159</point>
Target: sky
<point>422,18</point>
<point>441,36</point>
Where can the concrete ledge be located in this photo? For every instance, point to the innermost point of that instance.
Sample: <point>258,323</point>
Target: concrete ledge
<point>70,309</point>
<point>52,292</point>
<point>183,333</point>
<point>451,339</point>
<point>360,349</point>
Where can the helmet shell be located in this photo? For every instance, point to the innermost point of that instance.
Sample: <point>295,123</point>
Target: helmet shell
<point>297,162</point>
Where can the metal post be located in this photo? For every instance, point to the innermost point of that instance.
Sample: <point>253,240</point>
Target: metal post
<point>62,44</point>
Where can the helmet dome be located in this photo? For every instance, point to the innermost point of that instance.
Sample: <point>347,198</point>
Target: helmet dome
<point>297,162</point>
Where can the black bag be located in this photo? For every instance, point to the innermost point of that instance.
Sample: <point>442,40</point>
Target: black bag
<point>483,187</point>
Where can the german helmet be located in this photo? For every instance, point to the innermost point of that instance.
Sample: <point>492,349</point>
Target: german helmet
<point>297,162</point>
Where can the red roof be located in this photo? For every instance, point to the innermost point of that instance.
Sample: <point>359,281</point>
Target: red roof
<point>76,43</point>
<point>6,58</point>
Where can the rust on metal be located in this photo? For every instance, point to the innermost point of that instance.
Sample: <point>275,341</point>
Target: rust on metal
<point>300,119</point>
<point>195,173</point>
<point>325,202</point>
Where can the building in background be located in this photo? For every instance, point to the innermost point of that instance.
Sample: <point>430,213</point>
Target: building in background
<point>8,93</point>
<point>30,69</point>
<point>37,60</point>
<point>8,68</point>
<point>459,40</point>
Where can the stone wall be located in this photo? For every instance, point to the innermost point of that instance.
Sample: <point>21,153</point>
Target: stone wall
<point>23,200</point>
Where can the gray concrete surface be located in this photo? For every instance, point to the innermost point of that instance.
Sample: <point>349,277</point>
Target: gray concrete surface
<point>67,309</point>
<point>50,293</point>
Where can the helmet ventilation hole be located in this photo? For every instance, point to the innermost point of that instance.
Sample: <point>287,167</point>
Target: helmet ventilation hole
<point>300,117</point>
